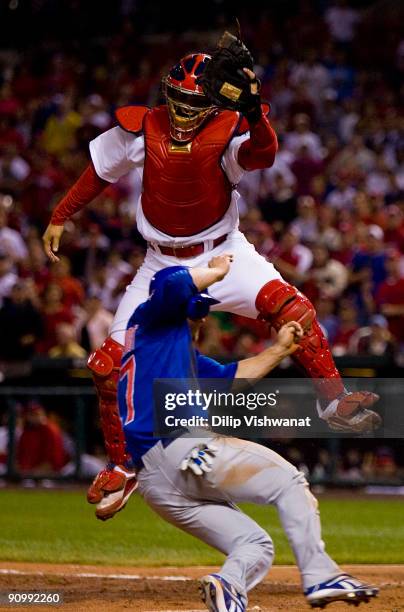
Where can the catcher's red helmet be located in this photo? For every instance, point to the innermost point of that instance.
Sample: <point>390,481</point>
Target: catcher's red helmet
<point>187,105</point>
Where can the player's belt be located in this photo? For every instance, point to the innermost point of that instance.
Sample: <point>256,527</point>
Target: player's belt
<point>184,252</point>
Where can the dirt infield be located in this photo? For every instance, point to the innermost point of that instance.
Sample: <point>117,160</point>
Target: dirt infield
<point>176,589</point>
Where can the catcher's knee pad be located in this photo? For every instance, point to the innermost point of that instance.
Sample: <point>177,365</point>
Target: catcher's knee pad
<point>104,364</point>
<point>279,303</point>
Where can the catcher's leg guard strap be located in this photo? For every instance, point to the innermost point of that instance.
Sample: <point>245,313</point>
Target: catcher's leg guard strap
<point>279,303</point>
<point>104,364</point>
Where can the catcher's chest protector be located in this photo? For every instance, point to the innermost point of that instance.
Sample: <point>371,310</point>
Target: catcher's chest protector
<point>185,189</point>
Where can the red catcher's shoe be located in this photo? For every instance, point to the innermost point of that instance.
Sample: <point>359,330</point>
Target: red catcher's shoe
<point>352,413</point>
<point>111,489</point>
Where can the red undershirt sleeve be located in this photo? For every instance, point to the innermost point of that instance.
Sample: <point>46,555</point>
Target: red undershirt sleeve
<point>85,189</point>
<point>259,150</point>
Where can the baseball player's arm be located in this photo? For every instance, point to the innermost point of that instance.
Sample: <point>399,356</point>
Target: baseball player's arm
<point>287,343</point>
<point>259,150</point>
<point>84,190</point>
<point>217,269</point>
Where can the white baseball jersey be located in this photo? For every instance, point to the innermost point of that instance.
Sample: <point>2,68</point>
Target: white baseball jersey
<point>116,152</point>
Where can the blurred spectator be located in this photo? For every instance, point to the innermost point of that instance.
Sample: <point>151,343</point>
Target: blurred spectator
<point>374,339</point>
<point>328,121</point>
<point>7,277</point>
<point>327,318</point>
<point>296,457</point>
<point>40,447</point>
<point>323,467</point>
<point>306,223</point>
<point>72,289</point>
<point>351,468</point>
<point>20,325</point>
<point>348,325</point>
<point>394,228</point>
<point>342,74</point>
<point>277,197</point>
<point>53,313</point>
<point>303,109</point>
<point>380,465</point>
<point>35,266</point>
<point>310,73</point>
<point>290,257</point>
<point>328,234</point>
<point>66,344</point>
<point>305,167</point>
<point>390,296</point>
<point>327,278</point>
<point>342,195</point>
<point>4,440</point>
<point>60,128</point>
<point>369,260</point>
<point>348,120</point>
<point>212,339</point>
<point>11,243</point>
<point>355,159</point>
<point>247,345</point>
<point>13,170</point>
<point>94,323</point>
<point>342,21</point>
<point>92,251</point>
<point>103,285</point>
<point>302,136</point>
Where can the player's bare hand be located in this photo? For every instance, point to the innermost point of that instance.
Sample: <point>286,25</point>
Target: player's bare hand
<point>221,263</point>
<point>51,240</point>
<point>254,81</point>
<point>289,337</point>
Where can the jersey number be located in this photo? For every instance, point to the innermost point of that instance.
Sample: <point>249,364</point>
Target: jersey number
<point>128,371</point>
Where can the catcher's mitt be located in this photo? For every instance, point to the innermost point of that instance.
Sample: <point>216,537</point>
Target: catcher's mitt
<point>224,81</point>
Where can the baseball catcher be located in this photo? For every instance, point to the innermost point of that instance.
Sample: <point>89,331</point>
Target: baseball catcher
<point>191,152</point>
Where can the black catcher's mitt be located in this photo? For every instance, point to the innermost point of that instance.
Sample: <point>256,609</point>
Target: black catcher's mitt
<point>224,82</point>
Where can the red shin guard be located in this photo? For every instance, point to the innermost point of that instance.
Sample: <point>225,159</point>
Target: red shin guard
<point>279,303</point>
<point>104,364</point>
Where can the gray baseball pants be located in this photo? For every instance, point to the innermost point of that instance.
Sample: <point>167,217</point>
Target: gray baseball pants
<point>204,506</point>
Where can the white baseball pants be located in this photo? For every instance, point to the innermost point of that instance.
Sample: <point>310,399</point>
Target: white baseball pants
<point>237,291</point>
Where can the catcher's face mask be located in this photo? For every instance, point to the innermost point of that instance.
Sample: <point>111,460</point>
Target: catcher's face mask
<point>187,105</point>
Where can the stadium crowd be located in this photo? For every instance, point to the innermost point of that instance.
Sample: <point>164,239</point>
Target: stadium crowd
<point>329,213</point>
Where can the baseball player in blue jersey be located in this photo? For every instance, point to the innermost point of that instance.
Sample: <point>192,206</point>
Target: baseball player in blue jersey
<point>195,483</point>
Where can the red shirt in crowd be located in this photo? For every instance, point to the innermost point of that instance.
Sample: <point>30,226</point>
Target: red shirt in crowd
<point>50,323</point>
<point>73,292</point>
<point>344,335</point>
<point>392,292</point>
<point>41,445</point>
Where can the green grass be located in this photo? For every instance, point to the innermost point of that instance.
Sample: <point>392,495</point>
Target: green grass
<point>60,527</point>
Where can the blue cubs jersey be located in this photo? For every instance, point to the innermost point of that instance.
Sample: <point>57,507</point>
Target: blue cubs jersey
<point>159,345</point>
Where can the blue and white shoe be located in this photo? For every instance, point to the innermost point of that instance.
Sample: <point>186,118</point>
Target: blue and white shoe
<point>220,596</point>
<point>341,588</point>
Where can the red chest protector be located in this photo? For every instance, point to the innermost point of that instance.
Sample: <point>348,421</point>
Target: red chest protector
<point>185,189</point>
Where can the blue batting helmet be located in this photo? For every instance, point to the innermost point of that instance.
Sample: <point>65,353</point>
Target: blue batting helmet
<point>198,305</point>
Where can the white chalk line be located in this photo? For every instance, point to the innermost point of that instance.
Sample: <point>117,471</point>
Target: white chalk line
<point>15,572</point>
<point>73,574</point>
